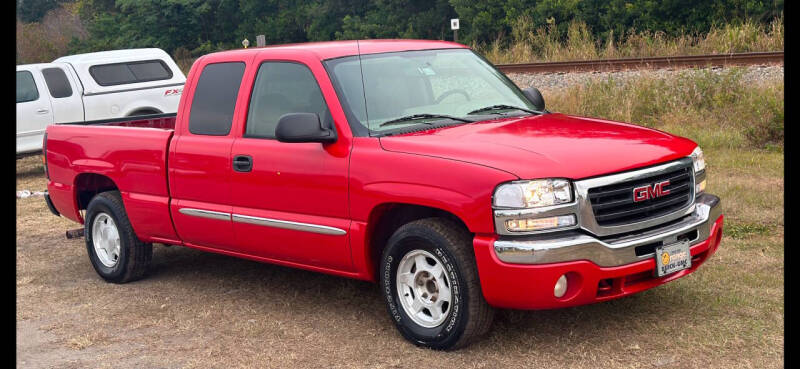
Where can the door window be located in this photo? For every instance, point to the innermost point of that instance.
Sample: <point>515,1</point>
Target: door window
<point>57,82</point>
<point>215,99</point>
<point>26,87</point>
<point>282,88</point>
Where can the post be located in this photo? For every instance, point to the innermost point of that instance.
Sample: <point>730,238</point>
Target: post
<point>454,26</point>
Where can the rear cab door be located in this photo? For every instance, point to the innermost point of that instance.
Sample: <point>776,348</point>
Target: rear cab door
<point>199,159</point>
<point>291,203</point>
<point>65,95</point>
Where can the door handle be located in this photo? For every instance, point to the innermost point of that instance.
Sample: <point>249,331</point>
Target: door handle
<point>42,111</point>
<point>242,163</point>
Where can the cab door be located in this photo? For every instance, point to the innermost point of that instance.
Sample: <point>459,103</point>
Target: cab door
<point>290,199</point>
<point>199,165</point>
<point>34,112</point>
<point>66,103</point>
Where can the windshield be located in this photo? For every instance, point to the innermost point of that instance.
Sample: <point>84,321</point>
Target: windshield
<point>413,88</point>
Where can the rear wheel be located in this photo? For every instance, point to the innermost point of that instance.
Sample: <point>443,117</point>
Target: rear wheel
<point>430,285</point>
<point>116,253</point>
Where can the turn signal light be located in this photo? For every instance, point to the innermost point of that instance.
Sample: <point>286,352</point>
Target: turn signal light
<point>538,224</point>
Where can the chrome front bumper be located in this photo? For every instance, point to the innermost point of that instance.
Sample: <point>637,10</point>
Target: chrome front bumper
<point>609,251</point>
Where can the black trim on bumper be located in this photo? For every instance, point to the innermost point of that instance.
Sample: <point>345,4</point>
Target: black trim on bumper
<point>50,205</point>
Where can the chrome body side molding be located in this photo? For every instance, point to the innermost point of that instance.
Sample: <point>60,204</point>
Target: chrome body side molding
<point>285,224</point>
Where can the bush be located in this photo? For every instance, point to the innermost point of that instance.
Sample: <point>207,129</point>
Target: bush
<point>45,41</point>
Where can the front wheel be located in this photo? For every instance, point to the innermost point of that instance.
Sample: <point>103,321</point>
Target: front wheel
<point>430,285</point>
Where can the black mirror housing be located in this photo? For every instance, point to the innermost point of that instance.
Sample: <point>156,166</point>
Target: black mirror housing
<point>303,127</point>
<point>535,97</point>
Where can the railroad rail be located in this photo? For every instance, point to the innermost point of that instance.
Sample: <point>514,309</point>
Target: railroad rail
<point>684,61</point>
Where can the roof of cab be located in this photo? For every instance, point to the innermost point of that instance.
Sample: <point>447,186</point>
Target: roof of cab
<point>336,49</point>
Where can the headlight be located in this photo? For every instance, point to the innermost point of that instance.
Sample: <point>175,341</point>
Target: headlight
<point>698,159</point>
<point>533,194</point>
<point>699,163</point>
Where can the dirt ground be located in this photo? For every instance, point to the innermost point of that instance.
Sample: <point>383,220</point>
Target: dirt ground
<point>210,311</point>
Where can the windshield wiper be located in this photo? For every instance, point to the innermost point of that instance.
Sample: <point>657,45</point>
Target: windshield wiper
<point>502,107</point>
<point>422,116</point>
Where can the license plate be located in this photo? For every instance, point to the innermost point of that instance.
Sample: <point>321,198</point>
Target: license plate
<point>672,258</point>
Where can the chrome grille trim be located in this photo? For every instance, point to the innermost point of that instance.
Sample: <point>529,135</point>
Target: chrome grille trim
<point>586,214</point>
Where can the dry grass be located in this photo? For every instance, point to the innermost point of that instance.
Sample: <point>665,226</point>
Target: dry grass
<point>528,44</point>
<point>204,310</point>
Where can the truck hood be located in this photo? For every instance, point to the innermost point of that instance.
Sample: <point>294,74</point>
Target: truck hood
<point>549,145</point>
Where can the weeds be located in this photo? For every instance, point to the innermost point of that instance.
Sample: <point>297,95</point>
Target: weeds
<point>746,230</point>
<point>529,44</point>
<point>717,108</point>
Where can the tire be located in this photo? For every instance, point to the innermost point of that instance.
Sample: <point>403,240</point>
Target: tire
<point>462,319</point>
<point>118,256</point>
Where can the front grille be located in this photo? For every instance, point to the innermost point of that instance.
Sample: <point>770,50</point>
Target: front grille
<point>613,204</point>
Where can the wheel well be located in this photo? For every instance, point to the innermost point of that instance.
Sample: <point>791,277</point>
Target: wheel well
<point>386,218</point>
<point>88,185</point>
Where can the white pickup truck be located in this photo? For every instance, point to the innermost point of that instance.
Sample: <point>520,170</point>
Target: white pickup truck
<point>94,86</point>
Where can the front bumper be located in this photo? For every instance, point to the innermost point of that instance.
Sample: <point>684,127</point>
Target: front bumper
<point>520,273</point>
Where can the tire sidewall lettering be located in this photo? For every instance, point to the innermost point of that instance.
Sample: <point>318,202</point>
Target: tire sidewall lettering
<point>388,278</point>
<point>454,288</point>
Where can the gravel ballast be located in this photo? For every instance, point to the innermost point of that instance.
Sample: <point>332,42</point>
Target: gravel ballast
<point>562,80</point>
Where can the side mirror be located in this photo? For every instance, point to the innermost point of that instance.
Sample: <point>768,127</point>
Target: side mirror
<point>303,127</point>
<point>535,97</point>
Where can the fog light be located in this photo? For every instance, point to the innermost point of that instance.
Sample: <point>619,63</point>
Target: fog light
<point>561,286</point>
<point>700,187</point>
<point>538,224</point>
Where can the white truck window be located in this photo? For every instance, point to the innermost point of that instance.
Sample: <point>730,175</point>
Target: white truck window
<point>130,72</point>
<point>57,82</point>
<point>26,87</point>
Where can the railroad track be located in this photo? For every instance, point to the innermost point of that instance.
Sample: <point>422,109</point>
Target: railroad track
<point>688,61</point>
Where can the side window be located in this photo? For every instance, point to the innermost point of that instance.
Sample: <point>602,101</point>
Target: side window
<point>215,99</point>
<point>130,72</point>
<point>281,88</point>
<point>57,82</point>
<point>26,87</point>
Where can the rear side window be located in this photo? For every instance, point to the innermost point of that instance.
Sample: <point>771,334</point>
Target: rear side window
<point>215,99</point>
<point>26,87</point>
<point>281,88</point>
<point>130,72</point>
<point>57,82</point>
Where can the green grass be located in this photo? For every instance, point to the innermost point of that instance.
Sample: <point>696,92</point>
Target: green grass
<point>746,230</point>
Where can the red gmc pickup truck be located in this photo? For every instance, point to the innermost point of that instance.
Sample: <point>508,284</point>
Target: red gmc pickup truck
<point>414,164</point>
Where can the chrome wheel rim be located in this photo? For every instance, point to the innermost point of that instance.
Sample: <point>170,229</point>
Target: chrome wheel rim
<point>105,238</point>
<point>423,288</point>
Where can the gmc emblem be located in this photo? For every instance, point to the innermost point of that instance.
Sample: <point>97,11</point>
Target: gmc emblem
<point>647,192</point>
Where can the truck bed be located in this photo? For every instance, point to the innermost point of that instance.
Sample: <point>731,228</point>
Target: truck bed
<point>161,121</point>
<point>127,153</point>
